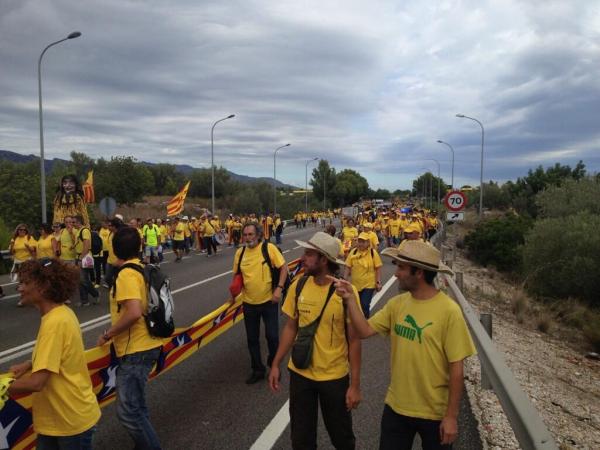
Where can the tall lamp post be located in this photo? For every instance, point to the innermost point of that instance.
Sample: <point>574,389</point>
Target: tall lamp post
<point>306,184</point>
<point>438,176</point>
<point>275,178</point>
<point>430,186</point>
<point>212,159</point>
<point>462,116</point>
<point>452,150</point>
<point>73,35</point>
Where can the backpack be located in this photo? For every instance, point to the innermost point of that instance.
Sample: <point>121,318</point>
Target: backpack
<point>275,272</point>
<point>355,251</point>
<point>159,315</point>
<point>97,243</point>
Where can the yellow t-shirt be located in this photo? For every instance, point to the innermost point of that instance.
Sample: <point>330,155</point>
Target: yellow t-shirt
<point>44,247</point>
<point>395,227</point>
<point>130,285</point>
<point>67,405</point>
<point>67,244</point>
<point>349,233</point>
<point>362,267</point>
<point>21,252</point>
<point>330,348</point>
<point>373,238</point>
<point>83,234</point>
<point>111,258</point>
<point>425,336</point>
<point>179,232</point>
<point>164,233</point>
<point>104,233</point>
<point>257,275</point>
<point>208,229</point>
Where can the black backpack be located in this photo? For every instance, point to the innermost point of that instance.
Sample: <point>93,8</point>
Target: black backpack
<point>97,243</point>
<point>275,272</point>
<point>159,315</point>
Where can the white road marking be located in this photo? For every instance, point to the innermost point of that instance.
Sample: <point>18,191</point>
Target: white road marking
<point>276,427</point>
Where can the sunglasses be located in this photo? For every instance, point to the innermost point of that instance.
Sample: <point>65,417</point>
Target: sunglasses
<point>22,229</point>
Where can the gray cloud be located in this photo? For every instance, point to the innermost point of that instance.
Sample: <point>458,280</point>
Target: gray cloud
<point>368,87</point>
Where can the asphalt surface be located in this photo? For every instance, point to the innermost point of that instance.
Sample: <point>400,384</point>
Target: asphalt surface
<point>204,403</point>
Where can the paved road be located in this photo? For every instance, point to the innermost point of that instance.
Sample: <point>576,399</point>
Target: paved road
<point>204,403</point>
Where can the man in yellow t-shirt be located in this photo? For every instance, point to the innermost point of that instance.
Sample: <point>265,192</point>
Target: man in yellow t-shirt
<point>260,294</point>
<point>67,241</point>
<point>394,229</point>
<point>363,266</point>
<point>64,407</point>
<point>208,231</point>
<point>332,376</point>
<point>178,232</point>
<point>429,342</point>
<point>136,349</point>
<point>83,249</point>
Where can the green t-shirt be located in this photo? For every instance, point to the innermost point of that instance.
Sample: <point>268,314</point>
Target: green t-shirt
<point>151,235</point>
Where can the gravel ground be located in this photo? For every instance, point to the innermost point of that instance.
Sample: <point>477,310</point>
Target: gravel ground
<point>561,382</point>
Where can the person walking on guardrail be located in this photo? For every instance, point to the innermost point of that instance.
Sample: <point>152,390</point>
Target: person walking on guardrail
<point>261,293</point>
<point>65,410</point>
<point>325,364</point>
<point>429,342</point>
<point>136,349</point>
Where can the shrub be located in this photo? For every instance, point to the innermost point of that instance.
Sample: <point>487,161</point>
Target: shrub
<point>544,322</point>
<point>498,242</point>
<point>561,258</point>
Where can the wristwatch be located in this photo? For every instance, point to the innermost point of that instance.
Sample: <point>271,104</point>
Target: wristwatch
<point>280,287</point>
<point>105,335</point>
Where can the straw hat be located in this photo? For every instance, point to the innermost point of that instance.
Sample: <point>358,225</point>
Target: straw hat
<point>325,244</point>
<point>418,254</point>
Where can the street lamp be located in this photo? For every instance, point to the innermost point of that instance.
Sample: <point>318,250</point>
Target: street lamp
<point>438,176</point>
<point>306,184</point>
<point>452,150</point>
<point>275,178</point>
<point>430,186</point>
<point>212,159</point>
<point>462,116</point>
<point>73,35</point>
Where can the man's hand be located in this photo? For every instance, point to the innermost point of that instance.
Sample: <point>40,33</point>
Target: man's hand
<point>277,295</point>
<point>448,430</point>
<point>274,377</point>
<point>20,369</point>
<point>343,288</point>
<point>101,340</point>
<point>353,398</point>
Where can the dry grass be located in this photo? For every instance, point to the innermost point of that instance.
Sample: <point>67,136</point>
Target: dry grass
<point>544,322</point>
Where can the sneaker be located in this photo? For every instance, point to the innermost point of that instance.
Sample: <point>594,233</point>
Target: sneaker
<point>83,304</point>
<point>104,284</point>
<point>20,304</point>
<point>96,286</point>
<point>255,377</point>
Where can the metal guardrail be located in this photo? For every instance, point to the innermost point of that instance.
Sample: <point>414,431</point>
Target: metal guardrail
<point>529,429</point>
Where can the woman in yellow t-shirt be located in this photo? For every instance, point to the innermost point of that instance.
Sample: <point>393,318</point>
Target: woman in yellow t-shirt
<point>46,244</point>
<point>22,247</point>
<point>64,406</point>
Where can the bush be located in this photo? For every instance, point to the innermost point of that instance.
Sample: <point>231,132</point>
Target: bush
<point>561,258</point>
<point>498,242</point>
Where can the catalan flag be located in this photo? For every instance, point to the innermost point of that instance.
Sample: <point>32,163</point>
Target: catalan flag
<point>88,188</point>
<point>175,206</point>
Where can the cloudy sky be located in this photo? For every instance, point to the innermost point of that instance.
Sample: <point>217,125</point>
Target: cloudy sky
<point>367,85</point>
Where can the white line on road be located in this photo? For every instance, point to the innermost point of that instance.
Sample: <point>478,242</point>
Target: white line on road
<point>273,431</point>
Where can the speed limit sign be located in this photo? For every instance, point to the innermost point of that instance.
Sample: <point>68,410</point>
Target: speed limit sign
<point>455,201</point>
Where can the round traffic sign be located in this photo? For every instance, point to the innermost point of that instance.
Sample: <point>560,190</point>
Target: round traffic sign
<point>455,201</point>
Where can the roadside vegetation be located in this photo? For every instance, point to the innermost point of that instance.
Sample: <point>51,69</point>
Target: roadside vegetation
<point>547,242</point>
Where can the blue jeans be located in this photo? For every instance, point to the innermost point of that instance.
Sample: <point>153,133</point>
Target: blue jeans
<point>269,312</point>
<point>132,376</point>
<point>81,441</point>
<point>365,297</point>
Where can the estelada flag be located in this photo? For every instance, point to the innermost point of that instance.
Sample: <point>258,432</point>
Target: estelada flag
<point>88,188</point>
<point>175,205</point>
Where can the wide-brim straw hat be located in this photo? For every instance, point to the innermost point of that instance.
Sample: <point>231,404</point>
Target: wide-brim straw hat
<point>418,254</point>
<point>325,244</point>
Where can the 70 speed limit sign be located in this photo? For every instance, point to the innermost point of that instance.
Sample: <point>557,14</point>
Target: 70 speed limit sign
<point>455,201</point>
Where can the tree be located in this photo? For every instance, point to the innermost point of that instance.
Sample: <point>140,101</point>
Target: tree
<point>350,186</point>
<point>166,178</point>
<point>323,179</point>
<point>201,182</point>
<point>426,185</point>
<point>81,164</point>
<point>572,197</point>
<point>123,178</point>
<point>20,193</point>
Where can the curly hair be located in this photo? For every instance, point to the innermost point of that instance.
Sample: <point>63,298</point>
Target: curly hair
<point>55,280</point>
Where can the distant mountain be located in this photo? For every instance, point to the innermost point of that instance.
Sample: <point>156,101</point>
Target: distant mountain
<point>6,155</point>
